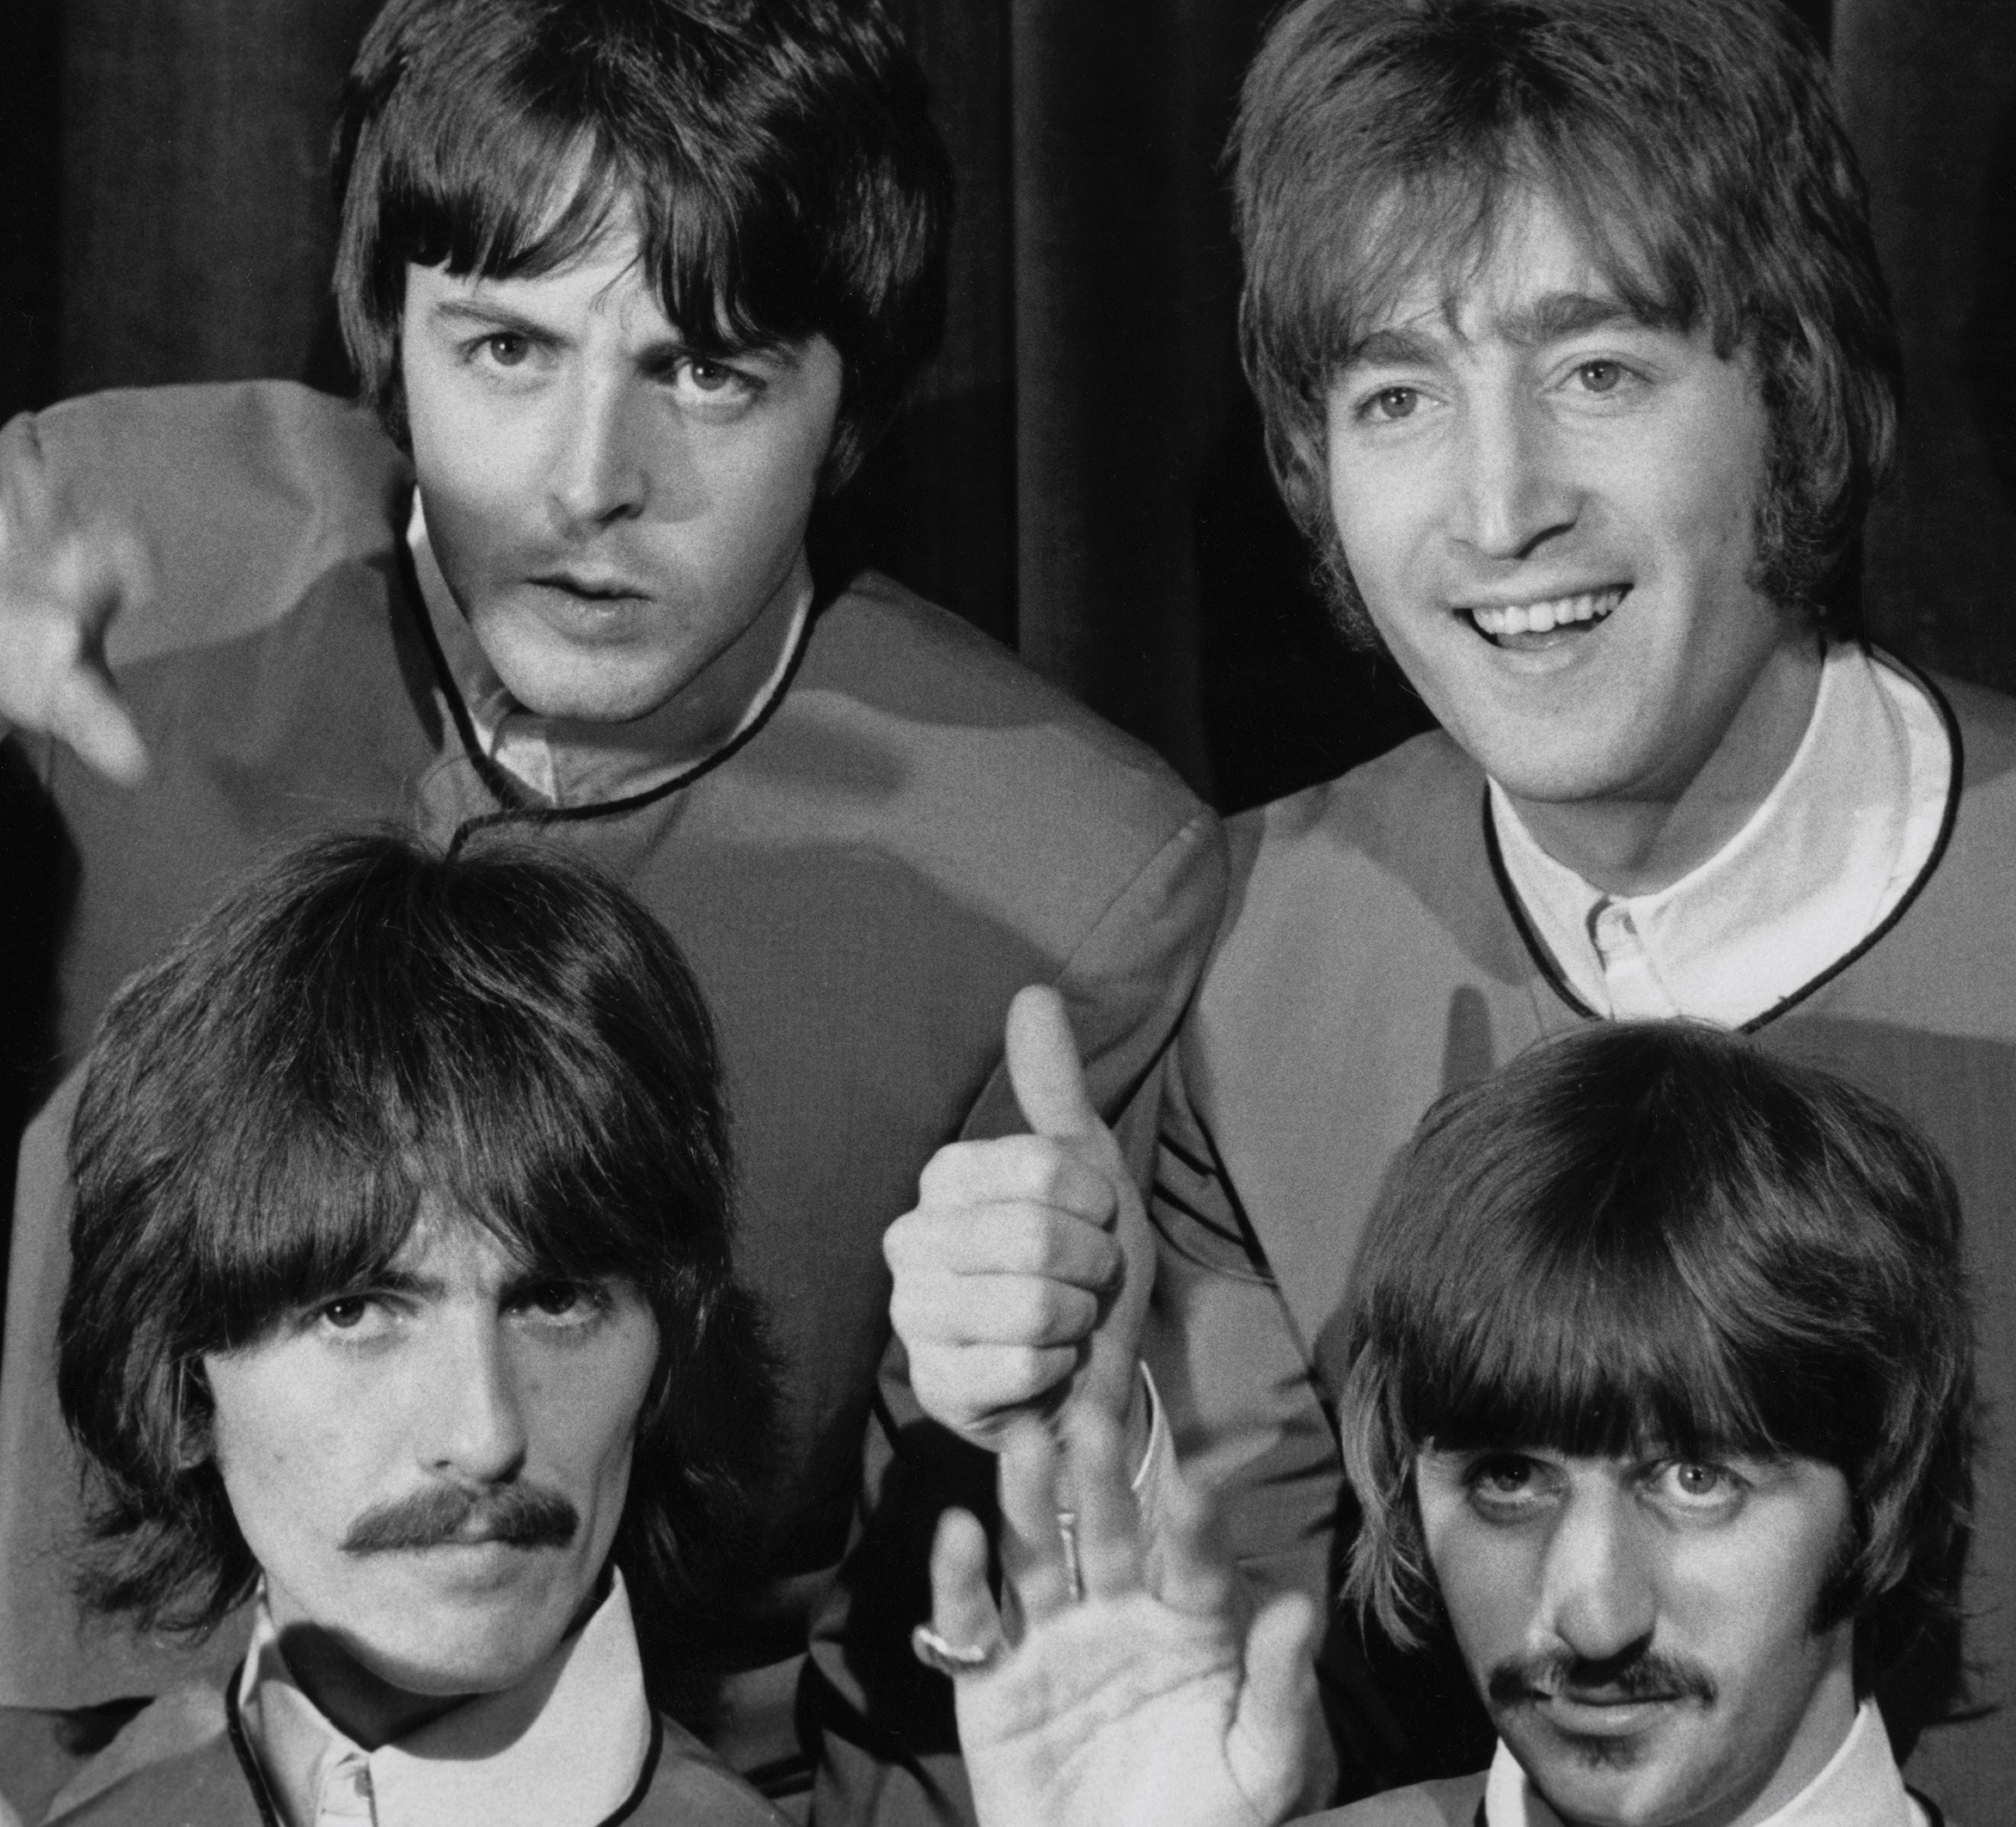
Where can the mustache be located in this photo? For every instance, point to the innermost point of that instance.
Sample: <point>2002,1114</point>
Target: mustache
<point>1637,1674</point>
<point>518,1514</point>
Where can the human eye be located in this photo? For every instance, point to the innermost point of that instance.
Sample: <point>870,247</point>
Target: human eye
<point>1508,1487</point>
<point>512,352</point>
<point>557,1303</point>
<point>1384,406</point>
<point>1601,380</point>
<point>1699,1487</point>
<point>353,1318</point>
<point>719,389</point>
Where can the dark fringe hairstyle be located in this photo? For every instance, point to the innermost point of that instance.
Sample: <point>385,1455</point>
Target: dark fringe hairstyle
<point>360,1026</point>
<point>1694,143</point>
<point>776,155</point>
<point>1654,1236</point>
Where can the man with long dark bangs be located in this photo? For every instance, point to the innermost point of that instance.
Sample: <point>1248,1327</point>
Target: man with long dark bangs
<point>1579,373</point>
<point>630,284</point>
<point>402,1307</point>
<point>1656,1395</point>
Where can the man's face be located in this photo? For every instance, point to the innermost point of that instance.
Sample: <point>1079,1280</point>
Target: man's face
<point>612,512</point>
<point>430,1469</point>
<point>1550,509</point>
<point>1642,1631</point>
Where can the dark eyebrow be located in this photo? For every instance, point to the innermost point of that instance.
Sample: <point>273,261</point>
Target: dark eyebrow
<point>1552,318</point>
<point>404,1281</point>
<point>486,316</point>
<point>1395,347</point>
<point>1561,314</point>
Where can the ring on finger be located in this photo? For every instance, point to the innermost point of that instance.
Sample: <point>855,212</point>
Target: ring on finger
<point>1067,1536</point>
<point>949,1658</point>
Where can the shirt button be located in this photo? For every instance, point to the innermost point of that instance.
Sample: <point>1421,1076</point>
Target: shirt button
<point>346,1793</point>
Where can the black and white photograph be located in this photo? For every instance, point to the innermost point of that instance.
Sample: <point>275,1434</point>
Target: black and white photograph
<point>1008,913</point>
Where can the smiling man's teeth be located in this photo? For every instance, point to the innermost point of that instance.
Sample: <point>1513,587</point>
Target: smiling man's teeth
<point>1542,618</point>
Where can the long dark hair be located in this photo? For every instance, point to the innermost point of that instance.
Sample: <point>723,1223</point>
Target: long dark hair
<point>1694,144</point>
<point>1656,1235</point>
<point>361,1026</point>
<point>776,157</point>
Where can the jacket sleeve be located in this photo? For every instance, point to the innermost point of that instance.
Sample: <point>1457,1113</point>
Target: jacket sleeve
<point>1249,1424</point>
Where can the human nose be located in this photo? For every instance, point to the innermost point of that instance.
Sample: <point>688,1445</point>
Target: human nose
<point>470,1406</point>
<point>599,467</point>
<point>1513,491</point>
<point>1598,1592</point>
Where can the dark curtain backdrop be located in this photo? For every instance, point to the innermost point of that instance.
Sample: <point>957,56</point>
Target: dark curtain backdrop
<point>1081,472</point>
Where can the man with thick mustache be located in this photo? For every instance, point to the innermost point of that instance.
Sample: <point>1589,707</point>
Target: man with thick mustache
<point>403,1306</point>
<point>1578,373</point>
<point>630,285</point>
<point>1657,1395</point>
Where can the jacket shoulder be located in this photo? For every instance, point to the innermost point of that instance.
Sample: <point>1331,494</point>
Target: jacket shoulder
<point>1452,1802</point>
<point>1385,807</point>
<point>690,1786</point>
<point>173,1761</point>
<point>898,654</point>
<point>1396,847</point>
<point>1986,720</point>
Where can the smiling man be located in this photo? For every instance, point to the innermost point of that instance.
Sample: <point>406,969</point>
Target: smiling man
<point>1579,375</point>
<point>1657,1395</point>
<point>402,1302</point>
<point>630,285</point>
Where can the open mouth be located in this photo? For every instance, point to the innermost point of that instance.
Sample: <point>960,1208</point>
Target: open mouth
<point>1546,622</point>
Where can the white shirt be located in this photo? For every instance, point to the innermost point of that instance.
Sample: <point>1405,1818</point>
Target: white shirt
<point>1835,847</point>
<point>567,763</point>
<point>564,1748</point>
<point>1859,1787</point>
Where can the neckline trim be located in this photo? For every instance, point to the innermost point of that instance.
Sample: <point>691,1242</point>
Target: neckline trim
<point>269,1815</point>
<point>515,807</point>
<point>1551,973</point>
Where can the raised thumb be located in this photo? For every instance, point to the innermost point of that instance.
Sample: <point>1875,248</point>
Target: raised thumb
<point>1043,1067</point>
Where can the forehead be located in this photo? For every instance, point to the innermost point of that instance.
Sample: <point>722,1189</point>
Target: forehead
<point>450,1248</point>
<point>1521,270</point>
<point>605,278</point>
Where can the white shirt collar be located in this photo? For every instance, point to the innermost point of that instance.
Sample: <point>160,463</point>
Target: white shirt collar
<point>565,763</point>
<point>564,1748</point>
<point>1859,1787</point>
<point>1836,846</point>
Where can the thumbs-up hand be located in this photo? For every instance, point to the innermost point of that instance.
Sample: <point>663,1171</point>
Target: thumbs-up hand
<point>1022,1276</point>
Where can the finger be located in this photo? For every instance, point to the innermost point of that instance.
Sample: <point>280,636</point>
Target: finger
<point>962,1610</point>
<point>1109,1523</point>
<point>1032,1553</point>
<point>972,1385</point>
<point>1033,1170</point>
<point>1044,1067</point>
<point>101,572</point>
<point>1268,1744</point>
<point>1192,1572</point>
<point>1003,1240</point>
<point>993,1309</point>
<point>86,713</point>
